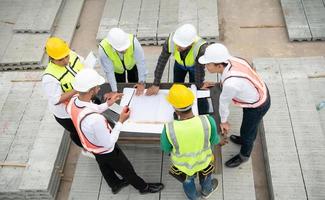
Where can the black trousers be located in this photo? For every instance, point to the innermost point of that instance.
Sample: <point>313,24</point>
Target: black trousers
<point>132,74</point>
<point>248,130</point>
<point>68,125</point>
<point>116,162</point>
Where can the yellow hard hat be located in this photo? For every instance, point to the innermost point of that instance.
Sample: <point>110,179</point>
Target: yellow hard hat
<point>57,48</point>
<point>180,96</point>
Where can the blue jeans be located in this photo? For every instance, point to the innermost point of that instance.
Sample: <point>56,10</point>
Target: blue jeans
<point>190,189</point>
<point>179,77</point>
<point>181,71</point>
<point>248,130</point>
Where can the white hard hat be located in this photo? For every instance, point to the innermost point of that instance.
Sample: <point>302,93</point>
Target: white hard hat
<point>185,35</point>
<point>215,53</point>
<point>87,79</point>
<point>118,39</point>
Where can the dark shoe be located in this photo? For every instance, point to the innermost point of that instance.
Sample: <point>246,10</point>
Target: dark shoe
<point>235,161</point>
<point>215,185</point>
<point>119,187</point>
<point>236,139</point>
<point>153,188</point>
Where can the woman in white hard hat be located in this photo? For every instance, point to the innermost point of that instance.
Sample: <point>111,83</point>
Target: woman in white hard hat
<point>98,137</point>
<point>122,58</point>
<point>245,88</point>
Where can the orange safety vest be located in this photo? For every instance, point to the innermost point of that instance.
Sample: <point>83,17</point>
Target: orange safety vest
<point>240,68</point>
<point>77,115</point>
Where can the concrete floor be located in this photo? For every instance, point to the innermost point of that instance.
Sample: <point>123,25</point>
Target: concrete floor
<point>258,30</point>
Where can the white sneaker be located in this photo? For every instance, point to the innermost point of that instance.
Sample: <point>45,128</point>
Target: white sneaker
<point>215,185</point>
<point>87,154</point>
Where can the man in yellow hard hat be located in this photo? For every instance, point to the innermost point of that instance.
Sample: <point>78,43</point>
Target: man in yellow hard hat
<point>57,80</point>
<point>189,140</point>
<point>122,59</point>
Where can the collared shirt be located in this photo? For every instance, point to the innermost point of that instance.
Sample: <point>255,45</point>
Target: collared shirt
<point>108,67</point>
<point>53,91</point>
<point>95,127</point>
<point>234,87</point>
<point>163,59</point>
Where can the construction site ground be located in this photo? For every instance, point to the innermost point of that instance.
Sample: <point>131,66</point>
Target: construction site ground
<point>251,29</point>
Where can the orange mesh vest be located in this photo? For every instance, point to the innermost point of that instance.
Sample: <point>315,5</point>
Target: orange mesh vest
<point>77,115</point>
<point>242,69</point>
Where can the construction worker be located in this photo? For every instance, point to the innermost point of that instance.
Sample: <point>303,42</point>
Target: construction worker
<point>122,58</point>
<point>189,141</point>
<point>186,47</point>
<point>245,88</point>
<point>60,72</point>
<point>98,137</point>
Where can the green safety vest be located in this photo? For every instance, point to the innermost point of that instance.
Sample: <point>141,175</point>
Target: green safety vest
<point>192,54</point>
<point>190,139</point>
<point>128,57</point>
<point>65,75</point>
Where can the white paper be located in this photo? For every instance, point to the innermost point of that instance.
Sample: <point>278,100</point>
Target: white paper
<point>90,61</point>
<point>149,113</point>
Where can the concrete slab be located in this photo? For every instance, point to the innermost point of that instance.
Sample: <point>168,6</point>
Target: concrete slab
<point>110,17</point>
<point>130,16</point>
<point>38,16</point>
<point>296,20</point>
<point>148,22</point>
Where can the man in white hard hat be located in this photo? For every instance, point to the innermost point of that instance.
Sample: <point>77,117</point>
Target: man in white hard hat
<point>99,138</point>
<point>245,88</point>
<point>122,58</point>
<point>186,47</point>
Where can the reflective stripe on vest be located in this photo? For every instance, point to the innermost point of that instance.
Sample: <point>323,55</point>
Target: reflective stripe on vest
<point>240,68</point>
<point>191,55</point>
<point>78,114</point>
<point>191,144</point>
<point>65,75</point>
<point>128,57</point>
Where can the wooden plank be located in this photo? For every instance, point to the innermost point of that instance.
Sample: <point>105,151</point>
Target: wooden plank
<point>110,17</point>
<point>296,21</point>
<point>130,16</point>
<point>148,22</point>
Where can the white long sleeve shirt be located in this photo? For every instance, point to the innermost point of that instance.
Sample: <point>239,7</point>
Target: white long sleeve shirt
<point>95,127</point>
<point>239,88</point>
<point>52,88</point>
<point>108,67</point>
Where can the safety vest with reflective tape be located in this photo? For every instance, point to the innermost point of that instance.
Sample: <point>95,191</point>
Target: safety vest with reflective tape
<point>192,54</point>
<point>65,75</point>
<point>240,68</point>
<point>128,61</point>
<point>190,139</point>
<point>78,114</point>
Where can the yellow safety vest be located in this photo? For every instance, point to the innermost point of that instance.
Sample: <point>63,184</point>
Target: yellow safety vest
<point>192,54</point>
<point>128,57</point>
<point>190,139</point>
<point>65,75</point>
